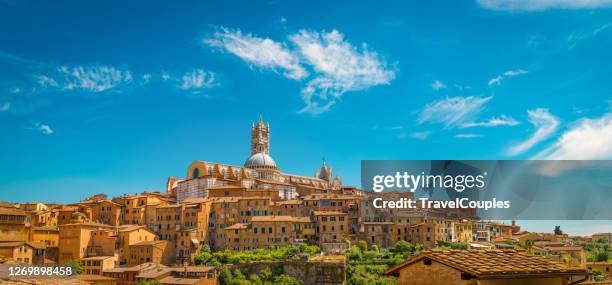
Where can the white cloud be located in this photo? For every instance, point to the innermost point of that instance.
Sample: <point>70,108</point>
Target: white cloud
<point>437,85</point>
<point>15,90</point>
<point>540,5</point>
<point>467,136</point>
<point>96,78</point>
<point>588,139</point>
<point>5,107</point>
<point>336,66</point>
<point>146,78</point>
<point>166,76</point>
<point>197,79</point>
<point>46,81</point>
<point>546,124</point>
<point>493,122</point>
<point>452,111</point>
<point>259,52</point>
<point>510,73</point>
<point>44,129</point>
<point>339,67</point>
<point>420,135</point>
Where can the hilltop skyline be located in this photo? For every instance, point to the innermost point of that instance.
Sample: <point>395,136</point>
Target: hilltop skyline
<point>115,97</point>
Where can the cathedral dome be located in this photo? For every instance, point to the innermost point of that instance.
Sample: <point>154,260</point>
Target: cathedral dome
<point>259,159</point>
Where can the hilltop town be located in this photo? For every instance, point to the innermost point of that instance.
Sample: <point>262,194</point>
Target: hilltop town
<point>219,217</point>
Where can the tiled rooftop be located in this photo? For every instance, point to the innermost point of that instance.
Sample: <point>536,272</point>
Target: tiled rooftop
<point>483,263</point>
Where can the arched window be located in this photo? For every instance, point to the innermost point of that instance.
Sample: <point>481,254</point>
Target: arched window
<point>196,173</point>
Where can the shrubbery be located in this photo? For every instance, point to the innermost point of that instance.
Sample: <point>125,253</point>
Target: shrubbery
<point>297,251</point>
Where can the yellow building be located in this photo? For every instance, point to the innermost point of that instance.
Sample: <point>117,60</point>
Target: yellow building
<point>70,214</point>
<point>461,231</point>
<point>264,231</point>
<point>97,264</point>
<point>156,251</point>
<point>17,251</point>
<point>104,211</point>
<point>331,226</point>
<point>49,235</point>
<point>14,225</point>
<point>129,235</point>
<point>75,238</point>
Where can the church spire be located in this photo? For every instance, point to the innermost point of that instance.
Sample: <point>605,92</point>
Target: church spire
<point>260,137</point>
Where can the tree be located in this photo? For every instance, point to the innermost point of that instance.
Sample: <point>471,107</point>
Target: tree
<point>77,266</point>
<point>558,230</point>
<point>363,245</point>
<point>202,258</point>
<point>284,279</point>
<point>148,282</point>
<point>602,255</point>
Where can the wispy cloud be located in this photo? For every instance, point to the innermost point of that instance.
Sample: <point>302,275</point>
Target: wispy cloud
<point>545,123</point>
<point>587,139</point>
<point>503,120</point>
<point>146,78</point>
<point>336,65</point>
<point>510,73</point>
<point>5,107</point>
<point>437,85</point>
<point>43,128</point>
<point>259,52</point>
<point>420,135</point>
<point>452,111</point>
<point>540,5</point>
<point>197,79</point>
<point>46,81</point>
<point>96,78</point>
<point>194,80</point>
<point>340,68</point>
<point>467,136</point>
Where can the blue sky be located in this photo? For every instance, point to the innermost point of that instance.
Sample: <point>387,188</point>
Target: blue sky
<point>115,97</point>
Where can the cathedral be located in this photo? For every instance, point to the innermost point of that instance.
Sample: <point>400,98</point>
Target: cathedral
<point>258,172</point>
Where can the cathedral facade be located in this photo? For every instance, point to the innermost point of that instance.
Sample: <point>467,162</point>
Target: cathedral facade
<point>258,172</point>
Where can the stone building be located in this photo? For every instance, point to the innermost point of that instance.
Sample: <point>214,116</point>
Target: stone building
<point>259,171</point>
<point>486,267</point>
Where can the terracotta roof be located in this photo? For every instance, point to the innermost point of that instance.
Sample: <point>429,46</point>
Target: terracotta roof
<point>289,202</point>
<point>129,228</point>
<point>33,244</point>
<point>237,226</point>
<point>278,219</point>
<point>179,280</point>
<point>46,228</point>
<point>487,264</point>
<point>12,211</point>
<point>102,257</point>
<point>136,268</point>
<point>12,243</point>
<point>89,224</point>
<point>94,278</point>
<point>149,242</point>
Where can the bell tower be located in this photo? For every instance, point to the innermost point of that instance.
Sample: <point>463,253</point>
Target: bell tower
<point>260,137</point>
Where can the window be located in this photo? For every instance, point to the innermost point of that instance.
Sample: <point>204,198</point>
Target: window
<point>196,173</point>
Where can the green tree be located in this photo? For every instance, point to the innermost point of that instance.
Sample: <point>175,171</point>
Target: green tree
<point>363,245</point>
<point>284,279</point>
<point>148,282</point>
<point>77,266</point>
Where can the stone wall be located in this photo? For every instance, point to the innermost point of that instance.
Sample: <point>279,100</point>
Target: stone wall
<point>311,272</point>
